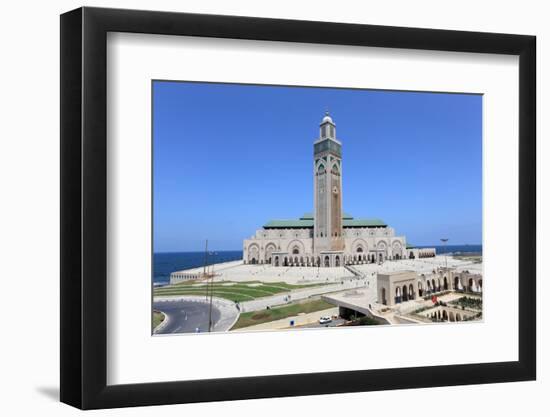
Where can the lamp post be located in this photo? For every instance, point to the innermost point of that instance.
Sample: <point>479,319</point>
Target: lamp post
<point>445,240</point>
<point>204,276</point>
<point>213,254</point>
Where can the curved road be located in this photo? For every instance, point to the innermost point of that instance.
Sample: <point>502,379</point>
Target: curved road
<point>185,316</point>
<point>188,313</point>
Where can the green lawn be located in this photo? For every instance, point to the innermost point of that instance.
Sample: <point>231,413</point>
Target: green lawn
<point>158,318</point>
<point>469,302</point>
<point>276,313</point>
<point>237,292</point>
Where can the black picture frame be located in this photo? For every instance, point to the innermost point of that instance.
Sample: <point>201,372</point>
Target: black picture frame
<point>84,207</point>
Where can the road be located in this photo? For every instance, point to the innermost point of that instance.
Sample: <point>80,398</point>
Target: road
<point>185,316</point>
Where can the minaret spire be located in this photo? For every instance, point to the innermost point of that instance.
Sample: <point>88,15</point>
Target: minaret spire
<point>327,177</point>
<point>328,127</point>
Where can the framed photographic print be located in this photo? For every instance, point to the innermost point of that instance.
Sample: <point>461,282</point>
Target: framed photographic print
<point>258,207</point>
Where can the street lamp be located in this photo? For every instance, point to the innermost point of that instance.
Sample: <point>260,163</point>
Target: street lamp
<point>213,255</point>
<point>445,240</point>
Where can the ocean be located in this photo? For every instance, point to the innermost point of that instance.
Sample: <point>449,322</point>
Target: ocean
<point>167,262</point>
<point>164,263</point>
<point>440,249</point>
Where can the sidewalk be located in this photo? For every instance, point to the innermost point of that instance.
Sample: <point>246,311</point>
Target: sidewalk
<point>301,294</point>
<point>299,320</point>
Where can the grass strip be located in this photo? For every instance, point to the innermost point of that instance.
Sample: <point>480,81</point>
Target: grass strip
<point>263,316</point>
<point>158,318</point>
<point>247,293</point>
<point>231,296</point>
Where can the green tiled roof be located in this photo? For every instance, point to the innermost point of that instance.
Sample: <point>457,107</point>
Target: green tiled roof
<point>288,224</point>
<point>307,222</point>
<point>410,246</point>
<point>309,216</point>
<point>364,223</point>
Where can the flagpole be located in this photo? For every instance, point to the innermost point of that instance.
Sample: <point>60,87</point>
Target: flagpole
<point>445,240</point>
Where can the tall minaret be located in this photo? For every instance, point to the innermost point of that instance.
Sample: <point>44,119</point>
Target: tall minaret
<point>327,189</point>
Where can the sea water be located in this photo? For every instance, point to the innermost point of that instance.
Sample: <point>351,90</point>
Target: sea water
<point>164,263</point>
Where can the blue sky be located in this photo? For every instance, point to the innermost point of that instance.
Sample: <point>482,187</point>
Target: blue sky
<point>228,158</point>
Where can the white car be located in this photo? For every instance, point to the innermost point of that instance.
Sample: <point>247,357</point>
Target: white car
<point>325,320</point>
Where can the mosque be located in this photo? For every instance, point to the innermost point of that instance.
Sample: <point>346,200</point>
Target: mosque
<point>328,237</point>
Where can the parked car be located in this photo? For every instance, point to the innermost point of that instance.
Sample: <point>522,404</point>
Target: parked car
<point>325,320</point>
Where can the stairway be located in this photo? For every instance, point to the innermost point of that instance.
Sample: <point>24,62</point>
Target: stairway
<point>354,271</point>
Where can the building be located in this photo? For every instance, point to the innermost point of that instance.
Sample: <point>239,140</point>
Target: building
<point>328,237</point>
<point>401,286</point>
<point>400,283</point>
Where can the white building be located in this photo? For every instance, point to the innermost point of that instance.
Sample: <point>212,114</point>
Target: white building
<point>328,237</point>
<point>401,286</point>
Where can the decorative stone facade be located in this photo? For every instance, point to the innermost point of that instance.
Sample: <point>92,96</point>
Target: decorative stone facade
<point>295,247</point>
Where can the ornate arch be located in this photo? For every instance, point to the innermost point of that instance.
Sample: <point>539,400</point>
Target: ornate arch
<point>396,244</point>
<point>397,249</point>
<point>359,243</point>
<point>320,168</point>
<point>253,253</point>
<point>269,249</point>
<point>296,243</point>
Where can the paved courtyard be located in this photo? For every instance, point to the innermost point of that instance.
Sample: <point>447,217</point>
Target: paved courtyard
<point>238,271</point>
